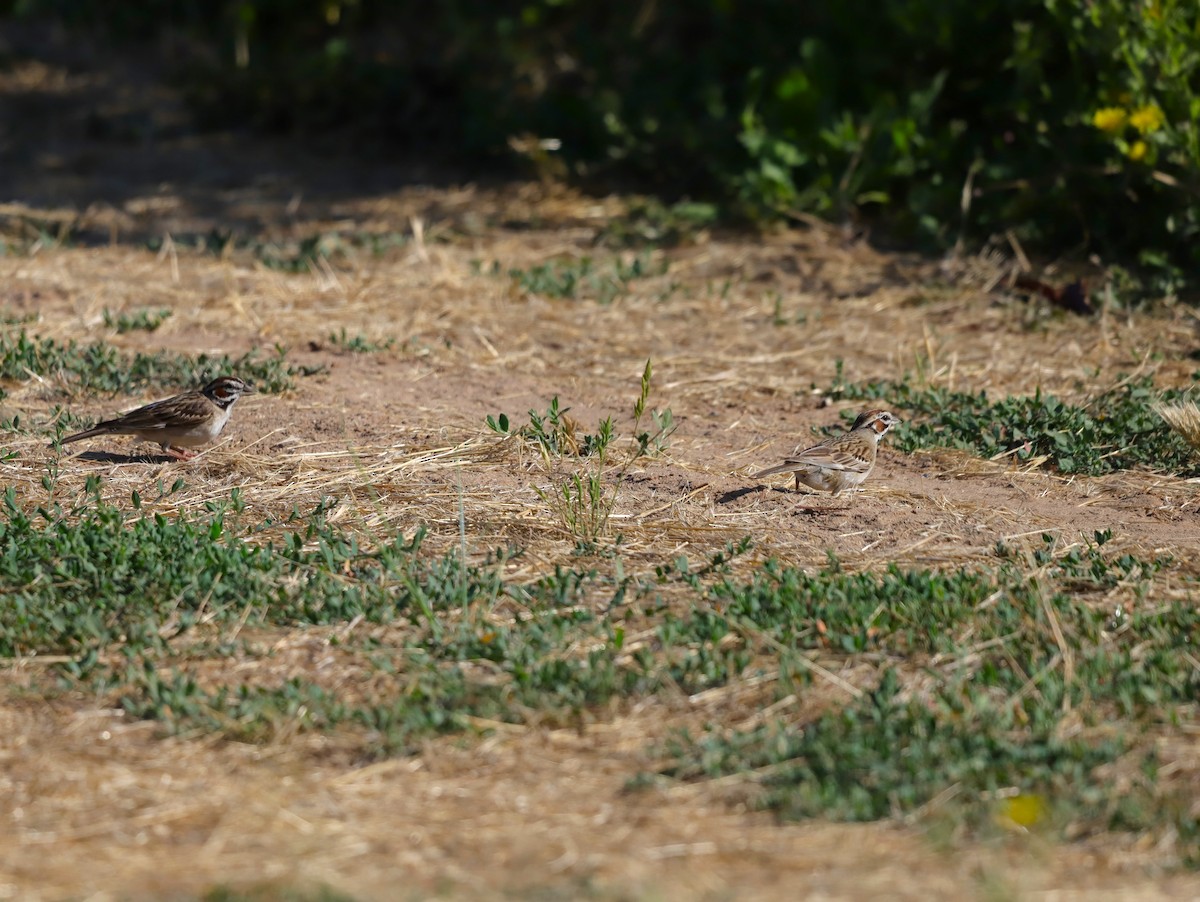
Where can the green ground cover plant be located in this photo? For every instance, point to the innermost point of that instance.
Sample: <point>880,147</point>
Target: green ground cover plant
<point>359,343</point>
<point>101,367</point>
<point>1115,429</point>
<point>145,319</point>
<point>585,500</point>
<point>980,673</point>
<point>571,279</point>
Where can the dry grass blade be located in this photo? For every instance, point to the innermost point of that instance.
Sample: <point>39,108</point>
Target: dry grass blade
<point>1184,418</point>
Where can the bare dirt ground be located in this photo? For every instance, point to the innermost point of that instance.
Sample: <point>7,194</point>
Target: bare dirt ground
<point>740,328</point>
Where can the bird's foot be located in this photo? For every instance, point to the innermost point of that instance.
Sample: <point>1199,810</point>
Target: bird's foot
<point>179,453</point>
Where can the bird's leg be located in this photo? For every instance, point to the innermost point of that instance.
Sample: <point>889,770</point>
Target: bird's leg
<point>178,453</point>
<point>797,475</point>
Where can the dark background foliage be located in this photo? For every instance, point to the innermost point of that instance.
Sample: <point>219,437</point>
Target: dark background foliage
<point>934,121</point>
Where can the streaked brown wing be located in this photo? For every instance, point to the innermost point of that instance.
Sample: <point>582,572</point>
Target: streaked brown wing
<point>179,412</point>
<point>820,456</point>
<point>797,460</point>
<point>843,460</point>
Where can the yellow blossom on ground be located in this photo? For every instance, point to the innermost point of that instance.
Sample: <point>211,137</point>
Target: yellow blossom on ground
<point>1025,810</point>
<point>1110,119</point>
<point>1137,150</point>
<point>1147,119</point>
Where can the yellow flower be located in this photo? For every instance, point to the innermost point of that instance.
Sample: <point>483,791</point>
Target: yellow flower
<point>1110,119</point>
<point>1137,151</point>
<point>1024,811</point>
<point>1147,119</point>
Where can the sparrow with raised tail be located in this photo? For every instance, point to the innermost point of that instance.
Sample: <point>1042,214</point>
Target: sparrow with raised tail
<point>842,461</point>
<point>178,423</point>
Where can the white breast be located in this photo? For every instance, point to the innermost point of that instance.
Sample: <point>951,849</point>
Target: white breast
<point>202,433</point>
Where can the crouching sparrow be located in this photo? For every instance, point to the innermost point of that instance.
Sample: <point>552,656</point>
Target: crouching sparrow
<point>178,423</point>
<point>842,461</point>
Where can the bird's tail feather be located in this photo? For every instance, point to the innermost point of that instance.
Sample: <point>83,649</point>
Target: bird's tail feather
<point>87,433</point>
<point>782,468</point>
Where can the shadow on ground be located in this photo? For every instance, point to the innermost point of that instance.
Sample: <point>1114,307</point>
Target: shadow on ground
<point>96,144</point>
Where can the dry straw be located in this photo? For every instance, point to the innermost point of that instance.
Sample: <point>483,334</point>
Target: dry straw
<point>1184,418</point>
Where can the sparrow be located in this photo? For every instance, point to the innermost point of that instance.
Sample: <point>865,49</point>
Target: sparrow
<point>178,423</point>
<point>842,461</point>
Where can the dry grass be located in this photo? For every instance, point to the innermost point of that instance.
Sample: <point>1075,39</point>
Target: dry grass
<point>1183,418</point>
